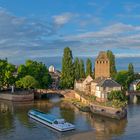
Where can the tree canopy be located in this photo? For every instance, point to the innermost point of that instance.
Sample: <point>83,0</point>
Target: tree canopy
<point>88,67</point>
<point>37,70</point>
<point>121,78</point>
<point>27,82</point>
<point>111,57</point>
<point>77,68</point>
<point>6,74</point>
<point>82,69</point>
<point>67,75</point>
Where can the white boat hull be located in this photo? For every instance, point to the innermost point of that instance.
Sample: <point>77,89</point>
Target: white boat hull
<point>51,125</point>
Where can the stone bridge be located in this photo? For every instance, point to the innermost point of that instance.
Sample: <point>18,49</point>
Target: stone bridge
<point>40,93</point>
<point>133,95</point>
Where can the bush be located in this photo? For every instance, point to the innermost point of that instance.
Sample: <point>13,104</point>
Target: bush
<point>116,95</point>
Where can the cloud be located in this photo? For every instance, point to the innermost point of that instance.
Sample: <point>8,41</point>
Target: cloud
<point>62,18</point>
<point>109,31</point>
<point>19,35</point>
<point>117,36</point>
<point>22,38</point>
<point>130,6</point>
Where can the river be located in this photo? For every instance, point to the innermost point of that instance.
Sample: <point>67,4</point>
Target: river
<point>16,125</point>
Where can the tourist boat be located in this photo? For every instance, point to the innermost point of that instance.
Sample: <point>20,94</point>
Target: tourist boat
<point>50,120</point>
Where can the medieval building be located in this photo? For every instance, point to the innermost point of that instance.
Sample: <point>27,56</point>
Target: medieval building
<point>102,65</point>
<point>102,84</point>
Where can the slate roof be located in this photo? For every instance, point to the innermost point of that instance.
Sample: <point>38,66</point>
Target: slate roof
<point>108,83</point>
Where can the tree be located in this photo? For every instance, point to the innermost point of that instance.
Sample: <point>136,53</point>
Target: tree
<point>121,78</point>
<point>38,70</point>
<point>131,75</point>
<point>9,78</point>
<point>76,68</point>
<point>131,69</point>
<point>88,67</point>
<point>82,69</point>
<point>67,76</point>
<point>22,71</point>
<point>138,88</point>
<point>111,57</point>
<point>27,82</point>
<point>6,74</point>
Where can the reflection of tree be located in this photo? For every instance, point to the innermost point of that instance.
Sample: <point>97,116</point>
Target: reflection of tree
<point>108,126</point>
<point>6,118</point>
<point>67,112</point>
<point>21,110</point>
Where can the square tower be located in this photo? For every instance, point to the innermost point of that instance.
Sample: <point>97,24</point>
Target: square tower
<point>102,65</point>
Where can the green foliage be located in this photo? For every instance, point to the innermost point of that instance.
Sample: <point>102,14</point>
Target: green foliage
<point>77,68</point>
<point>117,99</point>
<point>117,95</point>
<point>88,67</point>
<point>111,57</point>
<point>37,70</point>
<point>27,82</point>
<point>67,76</point>
<point>22,71</point>
<point>125,78</point>
<point>138,88</point>
<point>6,74</point>
<point>130,77</point>
<point>121,78</point>
<point>82,69</point>
<point>118,104</point>
<point>136,76</point>
<point>92,98</point>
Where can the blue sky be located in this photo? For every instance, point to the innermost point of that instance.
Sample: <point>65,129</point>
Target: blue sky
<point>42,28</point>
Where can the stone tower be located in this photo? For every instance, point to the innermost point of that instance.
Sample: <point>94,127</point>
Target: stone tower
<point>102,65</point>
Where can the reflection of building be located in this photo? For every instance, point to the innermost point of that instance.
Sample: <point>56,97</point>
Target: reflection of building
<point>134,85</point>
<point>55,75</point>
<point>107,126</point>
<point>102,65</point>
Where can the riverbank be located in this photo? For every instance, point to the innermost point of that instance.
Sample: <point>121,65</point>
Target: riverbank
<point>94,107</point>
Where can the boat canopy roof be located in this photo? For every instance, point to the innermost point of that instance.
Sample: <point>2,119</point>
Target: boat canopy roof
<point>48,117</point>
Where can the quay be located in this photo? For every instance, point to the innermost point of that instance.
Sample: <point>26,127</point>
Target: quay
<point>21,96</point>
<point>111,112</point>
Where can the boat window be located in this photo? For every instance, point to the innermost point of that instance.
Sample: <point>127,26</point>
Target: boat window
<point>55,122</point>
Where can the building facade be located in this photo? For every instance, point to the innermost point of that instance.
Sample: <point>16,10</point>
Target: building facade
<point>99,87</point>
<point>102,65</point>
<point>134,85</point>
<point>104,87</point>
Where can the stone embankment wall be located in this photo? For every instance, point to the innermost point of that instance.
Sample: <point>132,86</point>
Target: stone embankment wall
<point>117,113</point>
<point>17,97</point>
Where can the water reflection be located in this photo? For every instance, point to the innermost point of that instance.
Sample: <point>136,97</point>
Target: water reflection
<point>13,117</point>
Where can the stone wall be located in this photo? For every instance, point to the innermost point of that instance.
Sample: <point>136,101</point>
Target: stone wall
<point>17,98</point>
<point>103,110</point>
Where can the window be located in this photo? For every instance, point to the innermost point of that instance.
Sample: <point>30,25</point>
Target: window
<point>55,122</point>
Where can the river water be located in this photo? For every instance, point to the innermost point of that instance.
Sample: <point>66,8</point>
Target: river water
<point>16,125</point>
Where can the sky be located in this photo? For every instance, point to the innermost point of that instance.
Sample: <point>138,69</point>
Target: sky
<point>43,28</point>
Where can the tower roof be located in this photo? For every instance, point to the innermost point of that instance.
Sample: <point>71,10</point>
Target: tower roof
<point>102,56</point>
